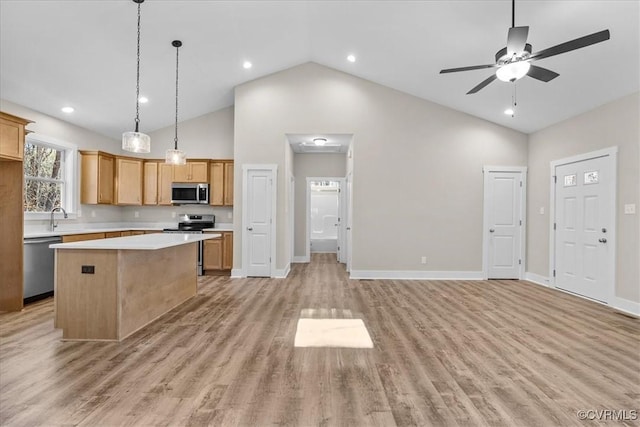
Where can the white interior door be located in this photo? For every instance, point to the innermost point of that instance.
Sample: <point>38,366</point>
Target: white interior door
<point>504,223</point>
<point>348,240</point>
<point>584,238</point>
<point>258,222</point>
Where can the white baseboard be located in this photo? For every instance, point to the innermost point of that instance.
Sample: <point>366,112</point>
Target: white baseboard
<point>627,306</point>
<point>537,279</point>
<point>416,275</point>
<point>300,259</point>
<point>281,273</point>
<point>236,273</point>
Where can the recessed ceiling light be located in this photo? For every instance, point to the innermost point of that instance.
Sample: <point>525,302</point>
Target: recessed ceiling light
<point>319,141</point>
<point>351,58</point>
<point>509,112</point>
<point>68,110</point>
<point>143,99</point>
<point>246,65</point>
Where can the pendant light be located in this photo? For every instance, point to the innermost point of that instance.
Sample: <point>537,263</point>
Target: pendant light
<point>175,156</point>
<point>135,141</point>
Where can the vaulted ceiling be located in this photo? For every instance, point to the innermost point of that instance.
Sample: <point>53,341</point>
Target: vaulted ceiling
<point>82,54</point>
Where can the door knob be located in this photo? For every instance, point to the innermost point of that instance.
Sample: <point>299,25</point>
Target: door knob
<point>491,230</point>
<point>603,240</point>
<point>250,228</point>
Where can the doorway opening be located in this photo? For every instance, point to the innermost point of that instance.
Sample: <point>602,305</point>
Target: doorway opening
<point>325,216</point>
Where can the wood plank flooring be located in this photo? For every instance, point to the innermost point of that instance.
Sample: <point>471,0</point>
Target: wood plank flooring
<point>450,353</point>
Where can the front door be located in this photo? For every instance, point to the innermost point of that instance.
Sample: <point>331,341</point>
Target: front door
<point>584,227</point>
<point>258,222</point>
<point>504,221</point>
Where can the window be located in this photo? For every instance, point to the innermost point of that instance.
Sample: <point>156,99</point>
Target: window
<point>49,175</point>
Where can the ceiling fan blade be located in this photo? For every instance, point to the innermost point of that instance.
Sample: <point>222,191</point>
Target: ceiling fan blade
<point>516,40</point>
<point>485,82</point>
<point>572,45</point>
<point>473,67</point>
<point>542,74</point>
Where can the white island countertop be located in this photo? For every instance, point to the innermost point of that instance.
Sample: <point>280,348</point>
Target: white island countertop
<point>141,242</point>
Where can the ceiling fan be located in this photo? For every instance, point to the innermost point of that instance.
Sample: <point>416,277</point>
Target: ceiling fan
<point>514,61</point>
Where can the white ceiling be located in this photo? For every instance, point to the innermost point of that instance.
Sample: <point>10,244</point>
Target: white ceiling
<point>82,53</point>
<point>335,142</point>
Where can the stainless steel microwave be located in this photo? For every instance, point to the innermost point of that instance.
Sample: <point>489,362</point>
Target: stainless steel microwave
<point>189,193</point>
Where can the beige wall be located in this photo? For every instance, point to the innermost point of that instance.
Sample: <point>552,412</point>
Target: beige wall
<point>310,165</point>
<point>613,124</point>
<point>417,168</point>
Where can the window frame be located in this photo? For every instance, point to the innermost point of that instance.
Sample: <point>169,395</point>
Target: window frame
<point>70,174</point>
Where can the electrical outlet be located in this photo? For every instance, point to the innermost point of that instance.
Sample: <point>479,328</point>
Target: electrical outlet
<point>173,214</point>
<point>630,209</point>
<point>136,214</point>
<point>93,214</point>
<point>79,213</point>
<point>423,260</point>
<point>230,215</point>
<point>542,210</point>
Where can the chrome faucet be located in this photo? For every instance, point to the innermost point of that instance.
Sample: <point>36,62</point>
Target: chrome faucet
<point>52,224</point>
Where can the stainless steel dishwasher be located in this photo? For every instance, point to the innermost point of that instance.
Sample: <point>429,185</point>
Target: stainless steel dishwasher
<point>38,267</point>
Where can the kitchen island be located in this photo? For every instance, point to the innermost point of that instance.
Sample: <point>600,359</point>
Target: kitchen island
<point>105,290</point>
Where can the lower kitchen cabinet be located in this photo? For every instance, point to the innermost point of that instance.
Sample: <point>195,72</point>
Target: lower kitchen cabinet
<point>80,237</point>
<point>218,253</point>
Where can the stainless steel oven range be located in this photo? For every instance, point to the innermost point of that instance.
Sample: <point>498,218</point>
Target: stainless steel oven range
<point>194,224</point>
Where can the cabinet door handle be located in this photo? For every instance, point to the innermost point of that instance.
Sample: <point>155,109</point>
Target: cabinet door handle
<point>250,228</point>
<point>491,230</point>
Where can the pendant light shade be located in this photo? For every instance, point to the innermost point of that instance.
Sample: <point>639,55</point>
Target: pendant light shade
<point>135,141</point>
<point>175,156</point>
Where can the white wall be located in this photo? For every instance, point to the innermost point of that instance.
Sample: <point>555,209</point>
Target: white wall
<point>613,124</point>
<point>85,140</point>
<point>309,165</point>
<point>417,167</point>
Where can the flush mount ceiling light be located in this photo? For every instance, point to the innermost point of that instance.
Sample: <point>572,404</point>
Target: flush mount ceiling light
<point>143,99</point>
<point>246,65</point>
<point>509,112</point>
<point>319,141</point>
<point>175,156</point>
<point>351,58</point>
<point>68,110</point>
<point>135,141</point>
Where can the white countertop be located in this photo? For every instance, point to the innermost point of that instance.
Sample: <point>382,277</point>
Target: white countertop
<point>140,242</point>
<point>123,227</point>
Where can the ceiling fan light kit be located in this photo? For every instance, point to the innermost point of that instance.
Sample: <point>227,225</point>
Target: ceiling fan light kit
<point>514,61</point>
<point>137,142</point>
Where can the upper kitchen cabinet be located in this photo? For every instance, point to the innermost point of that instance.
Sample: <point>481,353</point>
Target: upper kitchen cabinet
<point>221,184</point>
<point>12,136</point>
<point>128,181</point>
<point>165,178</point>
<point>12,133</point>
<point>97,178</point>
<point>150,183</point>
<point>193,171</point>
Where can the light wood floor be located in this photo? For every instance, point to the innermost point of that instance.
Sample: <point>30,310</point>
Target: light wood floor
<point>446,353</point>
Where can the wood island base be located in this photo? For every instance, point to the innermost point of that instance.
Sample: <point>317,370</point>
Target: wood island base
<point>127,289</point>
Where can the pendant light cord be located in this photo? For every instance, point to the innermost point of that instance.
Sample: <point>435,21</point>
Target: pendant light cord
<point>138,74</point>
<point>175,140</point>
<point>513,13</point>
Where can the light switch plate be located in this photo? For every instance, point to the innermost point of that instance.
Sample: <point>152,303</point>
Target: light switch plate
<point>542,210</point>
<point>630,209</point>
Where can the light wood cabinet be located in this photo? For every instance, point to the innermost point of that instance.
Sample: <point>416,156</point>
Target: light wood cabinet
<point>12,133</point>
<point>12,136</point>
<point>128,181</point>
<point>194,171</point>
<point>81,237</point>
<point>150,183</point>
<point>96,178</point>
<point>221,183</point>
<point>165,178</point>
<point>132,233</point>
<point>112,234</point>
<point>218,253</point>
